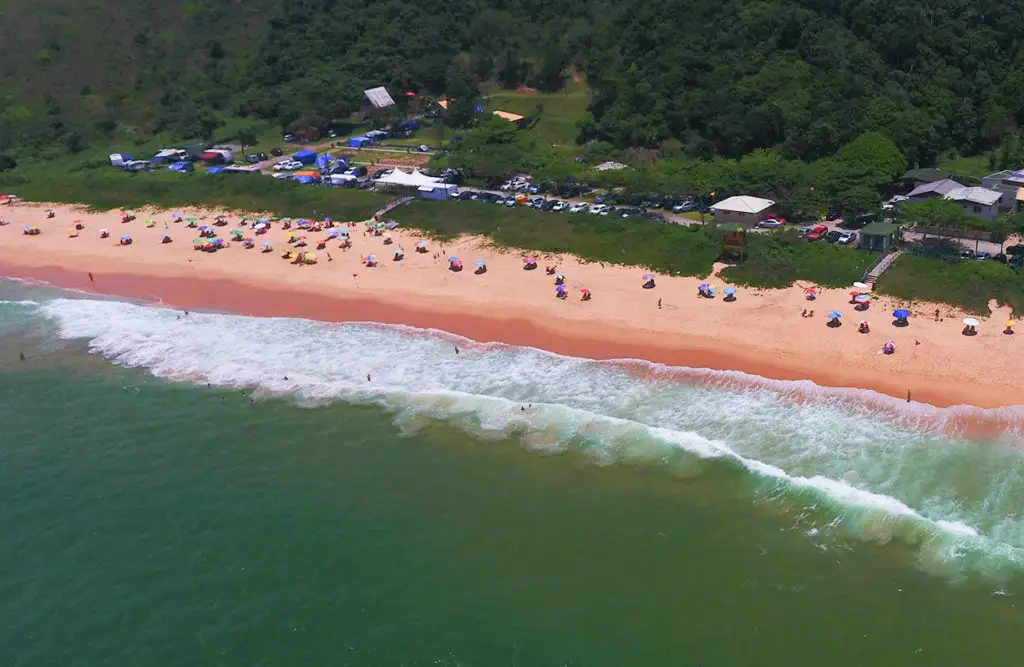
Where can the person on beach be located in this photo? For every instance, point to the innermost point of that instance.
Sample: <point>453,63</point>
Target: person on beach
<point>456,350</point>
<point>804,314</point>
<point>90,277</point>
<point>369,377</point>
<point>908,396</point>
<point>936,314</point>
<point>659,304</point>
<point>22,355</point>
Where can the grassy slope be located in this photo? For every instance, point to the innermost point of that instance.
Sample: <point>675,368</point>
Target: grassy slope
<point>560,113</point>
<point>968,284</point>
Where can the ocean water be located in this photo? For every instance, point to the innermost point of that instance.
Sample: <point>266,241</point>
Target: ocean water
<point>212,489</point>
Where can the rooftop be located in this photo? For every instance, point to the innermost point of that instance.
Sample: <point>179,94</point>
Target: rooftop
<point>982,196</point>
<point>743,204</point>
<point>941,187</point>
<point>379,97</point>
<point>879,229</point>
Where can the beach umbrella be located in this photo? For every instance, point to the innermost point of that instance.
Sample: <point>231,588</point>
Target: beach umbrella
<point>865,323</point>
<point>559,276</point>
<point>166,235</point>
<point>585,291</point>
<point>203,228</point>
<point>371,258</point>
<point>242,218</point>
<point>103,231</point>
<point>862,298</point>
<point>286,219</point>
<point>391,225</point>
<point>342,231</point>
<point>530,260</point>
<point>560,288</point>
<point>260,225</point>
<point>650,276</point>
<point>266,244</point>
<point>332,234</point>
<point>262,220</point>
<point>729,291</point>
<point>901,313</point>
<point>192,219</point>
<point>861,286</point>
<point>176,214</point>
<point>810,290</point>
<point>834,315</point>
<point>328,219</point>
<point>452,259</point>
<point>199,241</point>
<point>1011,323</point>
<point>970,321</point>
<point>422,244</point>
<point>480,262</point>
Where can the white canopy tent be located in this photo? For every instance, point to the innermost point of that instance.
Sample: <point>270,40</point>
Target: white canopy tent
<point>415,179</point>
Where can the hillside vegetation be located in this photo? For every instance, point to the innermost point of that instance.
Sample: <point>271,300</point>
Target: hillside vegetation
<point>720,78</point>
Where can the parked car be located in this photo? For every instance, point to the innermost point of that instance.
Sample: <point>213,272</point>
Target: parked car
<point>598,209</point>
<point>770,223</point>
<point>817,233</point>
<point>832,236</point>
<point>846,238</point>
<point>289,138</point>
<point>966,254</point>
<point>276,152</point>
<point>578,207</point>
<point>982,256</point>
<point>559,205</point>
<point>511,201</point>
<point>684,206</point>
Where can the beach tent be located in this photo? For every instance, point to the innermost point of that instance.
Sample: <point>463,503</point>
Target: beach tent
<point>359,142</point>
<point>414,179</point>
<point>305,157</point>
<point>182,167</point>
<point>305,179</point>
<point>323,161</point>
<point>438,191</point>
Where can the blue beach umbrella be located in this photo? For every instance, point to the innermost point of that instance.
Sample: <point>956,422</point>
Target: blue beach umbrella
<point>480,262</point>
<point>176,214</point>
<point>834,315</point>
<point>862,298</point>
<point>453,259</point>
<point>343,231</point>
<point>729,291</point>
<point>901,313</point>
<point>560,288</point>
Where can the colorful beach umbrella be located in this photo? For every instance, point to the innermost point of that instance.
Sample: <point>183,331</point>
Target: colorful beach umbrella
<point>834,315</point>
<point>862,298</point>
<point>530,260</point>
<point>371,258</point>
<point>585,290</point>
<point>901,313</point>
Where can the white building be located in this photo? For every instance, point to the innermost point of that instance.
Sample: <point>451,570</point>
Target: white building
<point>743,209</point>
<point>979,202</point>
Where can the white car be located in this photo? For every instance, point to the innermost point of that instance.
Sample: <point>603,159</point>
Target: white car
<point>599,209</point>
<point>560,206</point>
<point>846,238</point>
<point>578,207</point>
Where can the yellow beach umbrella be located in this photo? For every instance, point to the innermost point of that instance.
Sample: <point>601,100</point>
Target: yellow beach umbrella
<point>1010,323</point>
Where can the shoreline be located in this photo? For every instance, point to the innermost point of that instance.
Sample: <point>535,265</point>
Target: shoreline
<point>616,345</point>
<point>756,335</point>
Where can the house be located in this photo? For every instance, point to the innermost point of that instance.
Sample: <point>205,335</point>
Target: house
<point>918,177</point>
<point>878,237</point>
<point>743,209</point>
<point>979,202</point>
<point>1009,183</point>
<point>933,190</point>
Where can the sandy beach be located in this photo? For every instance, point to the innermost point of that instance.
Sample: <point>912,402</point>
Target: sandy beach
<point>763,332</point>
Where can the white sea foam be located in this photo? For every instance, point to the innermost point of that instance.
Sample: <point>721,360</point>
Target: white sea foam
<point>863,474</point>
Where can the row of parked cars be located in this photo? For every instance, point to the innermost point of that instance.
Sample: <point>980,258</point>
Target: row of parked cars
<point>556,205</point>
<point>822,232</point>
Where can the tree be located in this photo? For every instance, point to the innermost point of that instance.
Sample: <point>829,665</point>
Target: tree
<point>246,137</point>
<point>462,91</point>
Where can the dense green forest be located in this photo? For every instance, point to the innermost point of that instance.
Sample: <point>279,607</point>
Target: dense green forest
<point>715,79</point>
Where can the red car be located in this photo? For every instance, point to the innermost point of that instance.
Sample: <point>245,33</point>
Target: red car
<point>818,232</point>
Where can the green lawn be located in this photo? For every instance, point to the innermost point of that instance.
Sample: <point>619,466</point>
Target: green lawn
<point>975,166</point>
<point>559,112</point>
<point>781,258</point>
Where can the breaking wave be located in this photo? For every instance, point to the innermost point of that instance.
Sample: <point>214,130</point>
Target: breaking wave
<point>844,463</point>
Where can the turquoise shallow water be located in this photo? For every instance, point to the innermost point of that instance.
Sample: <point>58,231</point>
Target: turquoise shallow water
<point>427,520</point>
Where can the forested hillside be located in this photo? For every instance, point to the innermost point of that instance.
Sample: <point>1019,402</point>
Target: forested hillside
<point>721,78</point>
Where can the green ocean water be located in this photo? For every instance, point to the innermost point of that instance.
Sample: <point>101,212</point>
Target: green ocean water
<point>151,522</point>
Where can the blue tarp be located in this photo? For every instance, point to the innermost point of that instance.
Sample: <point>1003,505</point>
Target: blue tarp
<point>304,179</point>
<point>323,160</point>
<point>305,157</point>
<point>181,166</point>
<point>215,170</point>
<point>359,142</point>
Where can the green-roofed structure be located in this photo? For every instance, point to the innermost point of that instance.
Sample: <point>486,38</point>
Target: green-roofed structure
<point>879,236</point>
